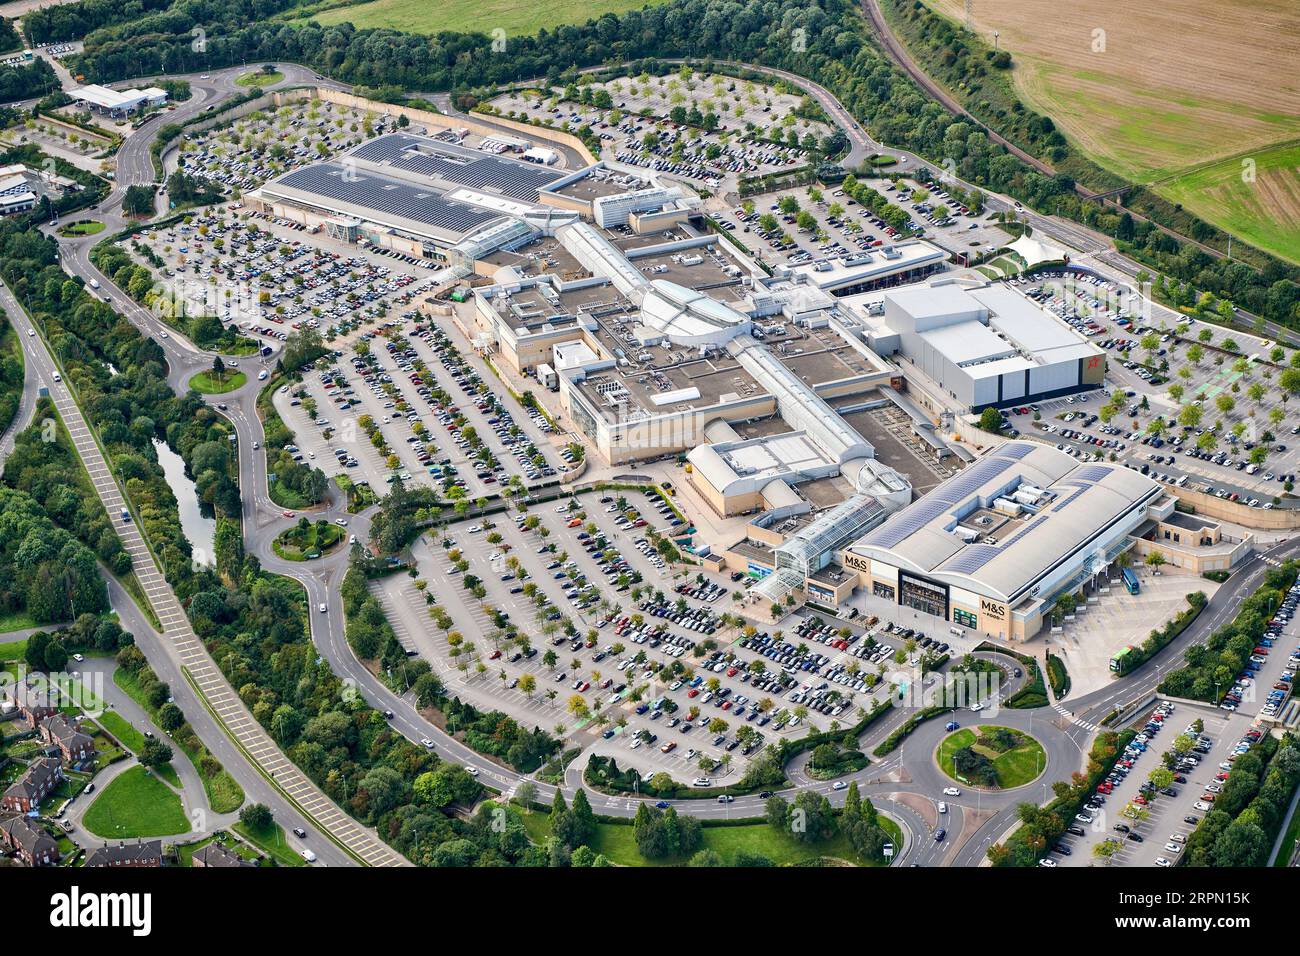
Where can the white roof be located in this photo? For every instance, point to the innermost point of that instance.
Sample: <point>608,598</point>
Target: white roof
<point>687,317</point>
<point>1031,327</point>
<point>1082,501</point>
<point>967,342</point>
<point>864,267</point>
<point>106,98</point>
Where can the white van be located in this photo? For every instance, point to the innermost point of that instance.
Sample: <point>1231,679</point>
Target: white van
<point>309,856</point>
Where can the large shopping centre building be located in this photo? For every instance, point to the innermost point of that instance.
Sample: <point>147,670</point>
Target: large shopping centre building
<point>993,547</point>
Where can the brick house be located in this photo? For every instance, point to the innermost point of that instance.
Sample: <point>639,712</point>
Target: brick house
<point>140,853</point>
<point>35,704</point>
<point>26,793</point>
<point>75,747</point>
<point>216,855</point>
<point>35,847</point>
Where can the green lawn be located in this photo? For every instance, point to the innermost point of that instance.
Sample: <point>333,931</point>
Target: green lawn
<point>515,17</point>
<point>1289,841</point>
<point>225,795</point>
<point>617,842</point>
<point>17,621</point>
<point>297,544</point>
<point>136,804</point>
<point>87,227</point>
<point>133,740</point>
<point>1014,768</point>
<point>272,842</point>
<point>288,498</point>
<point>258,78</point>
<point>205,382</point>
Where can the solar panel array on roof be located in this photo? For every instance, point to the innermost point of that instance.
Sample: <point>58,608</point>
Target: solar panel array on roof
<point>1091,473</point>
<point>465,167</point>
<point>387,196</point>
<point>972,558</point>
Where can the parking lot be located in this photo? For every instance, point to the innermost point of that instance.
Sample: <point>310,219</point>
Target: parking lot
<point>712,130</point>
<point>405,405</point>
<point>252,149</point>
<point>1145,824</point>
<point>1179,411</point>
<point>601,618</point>
<point>263,279</point>
<point>567,611</point>
<point>1264,688</point>
<point>807,223</point>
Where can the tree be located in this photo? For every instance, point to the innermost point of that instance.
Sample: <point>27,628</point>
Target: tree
<point>991,420</point>
<point>170,717</point>
<point>56,656</point>
<point>34,654</point>
<point>255,816</point>
<point>154,753</point>
<point>138,201</point>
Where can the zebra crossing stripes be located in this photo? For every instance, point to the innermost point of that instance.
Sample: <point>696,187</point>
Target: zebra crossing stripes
<point>1078,722</point>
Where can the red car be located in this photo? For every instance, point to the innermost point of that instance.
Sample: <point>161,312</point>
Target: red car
<point>494,655</point>
<point>692,692</point>
<point>731,672</point>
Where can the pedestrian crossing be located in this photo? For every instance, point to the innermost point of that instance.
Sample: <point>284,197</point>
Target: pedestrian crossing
<point>1078,722</point>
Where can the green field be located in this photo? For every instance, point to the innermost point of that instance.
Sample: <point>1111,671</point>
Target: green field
<point>86,227</point>
<point>205,383</point>
<point>133,740</point>
<point>471,16</point>
<point>1015,767</point>
<point>618,844</point>
<point>1265,212</point>
<point>258,78</point>
<point>136,804</point>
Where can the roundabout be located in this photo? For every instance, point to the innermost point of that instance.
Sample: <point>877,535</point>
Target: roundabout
<point>209,383</point>
<point>306,541</point>
<point>991,757</point>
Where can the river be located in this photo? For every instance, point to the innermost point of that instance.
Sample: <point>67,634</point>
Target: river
<point>201,531</point>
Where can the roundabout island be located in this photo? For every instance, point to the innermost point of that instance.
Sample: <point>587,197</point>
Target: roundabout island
<point>991,757</point>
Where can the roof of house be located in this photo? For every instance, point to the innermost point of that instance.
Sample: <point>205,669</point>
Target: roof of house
<point>31,838</point>
<point>33,781</point>
<point>66,732</point>
<point>214,854</point>
<point>122,853</point>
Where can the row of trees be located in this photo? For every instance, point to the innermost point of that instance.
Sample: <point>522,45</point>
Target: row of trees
<point>1240,828</point>
<point>1213,667</point>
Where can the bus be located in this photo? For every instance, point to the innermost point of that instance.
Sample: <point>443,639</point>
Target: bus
<point>1119,660</point>
<point>1130,581</point>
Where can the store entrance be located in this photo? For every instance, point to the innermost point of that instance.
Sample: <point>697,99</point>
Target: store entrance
<point>923,596</point>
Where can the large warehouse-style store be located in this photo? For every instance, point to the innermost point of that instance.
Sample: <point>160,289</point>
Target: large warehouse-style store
<point>993,547</point>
